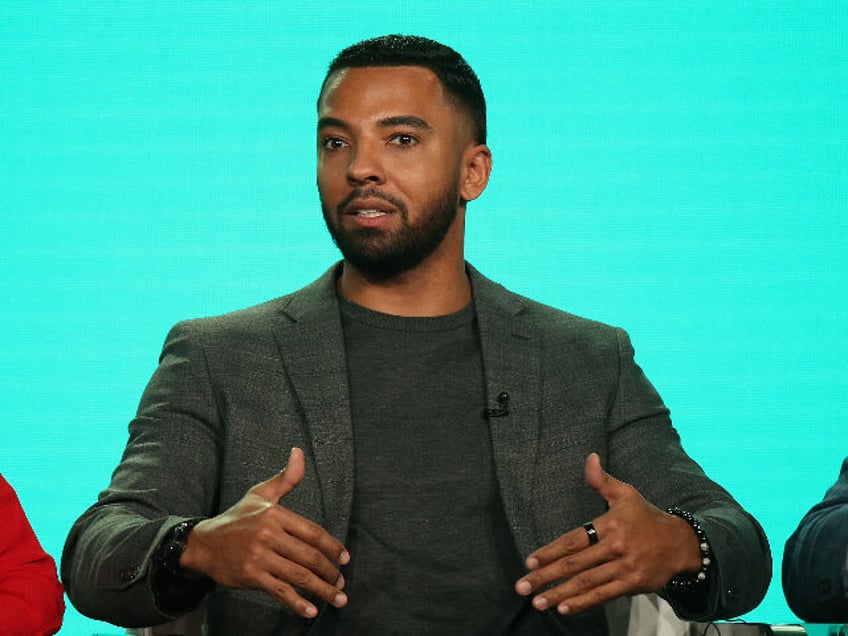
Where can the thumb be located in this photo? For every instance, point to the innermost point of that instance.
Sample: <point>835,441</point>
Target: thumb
<point>283,482</point>
<point>603,483</point>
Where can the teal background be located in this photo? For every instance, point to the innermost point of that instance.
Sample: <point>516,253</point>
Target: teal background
<point>677,169</point>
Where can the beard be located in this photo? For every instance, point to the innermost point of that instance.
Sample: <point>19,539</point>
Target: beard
<point>382,255</point>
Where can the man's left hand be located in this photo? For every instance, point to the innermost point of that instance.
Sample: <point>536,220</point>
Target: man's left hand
<point>639,549</point>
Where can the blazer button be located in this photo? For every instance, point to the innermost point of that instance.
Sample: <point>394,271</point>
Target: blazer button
<point>824,587</point>
<point>127,574</point>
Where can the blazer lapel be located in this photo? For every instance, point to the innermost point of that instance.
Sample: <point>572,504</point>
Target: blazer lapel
<point>511,363</point>
<point>312,349</point>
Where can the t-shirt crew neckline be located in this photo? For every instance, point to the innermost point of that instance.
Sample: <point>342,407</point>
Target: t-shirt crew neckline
<point>381,320</point>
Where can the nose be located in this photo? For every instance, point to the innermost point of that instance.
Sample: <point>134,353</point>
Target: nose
<point>365,166</point>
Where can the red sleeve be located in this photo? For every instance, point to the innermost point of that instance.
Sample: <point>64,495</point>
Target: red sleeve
<point>31,597</point>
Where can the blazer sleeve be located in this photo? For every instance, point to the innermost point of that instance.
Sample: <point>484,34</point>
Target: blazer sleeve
<point>168,474</point>
<point>645,450</point>
<point>815,560</point>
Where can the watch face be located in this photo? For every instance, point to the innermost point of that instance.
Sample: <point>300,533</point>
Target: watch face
<point>167,557</point>
<point>175,590</point>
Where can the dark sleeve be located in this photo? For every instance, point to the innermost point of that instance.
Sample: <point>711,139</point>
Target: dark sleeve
<point>168,474</point>
<point>815,561</point>
<point>31,597</point>
<point>645,450</point>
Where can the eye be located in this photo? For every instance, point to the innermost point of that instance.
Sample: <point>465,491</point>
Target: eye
<point>403,139</point>
<point>332,143</point>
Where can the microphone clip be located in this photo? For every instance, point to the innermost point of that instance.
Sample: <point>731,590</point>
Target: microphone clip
<point>501,409</point>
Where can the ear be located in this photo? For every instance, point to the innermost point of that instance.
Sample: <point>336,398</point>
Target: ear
<point>476,168</point>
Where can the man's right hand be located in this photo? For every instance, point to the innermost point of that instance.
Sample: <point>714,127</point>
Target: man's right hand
<point>259,544</point>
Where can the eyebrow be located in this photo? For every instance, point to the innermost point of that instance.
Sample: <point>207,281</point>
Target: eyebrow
<point>388,122</point>
<point>327,122</point>
<point>404,120</point>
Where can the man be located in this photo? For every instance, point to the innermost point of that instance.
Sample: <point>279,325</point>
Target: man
<point>815,561</point>
<point>448,436</point>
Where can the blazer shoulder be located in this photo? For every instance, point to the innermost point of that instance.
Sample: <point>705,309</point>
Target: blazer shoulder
<point>312,300</point>
<point>549,317</point>
<point>538,319</point>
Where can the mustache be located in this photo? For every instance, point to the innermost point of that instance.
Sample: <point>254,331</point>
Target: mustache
<point>369,193</point>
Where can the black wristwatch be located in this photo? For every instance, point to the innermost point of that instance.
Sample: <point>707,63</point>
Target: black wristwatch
<point>176,591</point>
<point>166,558</point>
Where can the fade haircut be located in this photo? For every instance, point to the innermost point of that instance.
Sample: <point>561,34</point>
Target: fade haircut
<point>457,77</point>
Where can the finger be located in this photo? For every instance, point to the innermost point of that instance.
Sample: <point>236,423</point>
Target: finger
<point>286,595</point>
<point>303,579</point>
<point>320,561</point>
<point>285,481</point>
<point>565,545</point>
<point>593,472</point>
<point>610,488</point>
<point>322,543</point>
<point>592,587</point>
<point>594,597</point>
<point>561,568</point>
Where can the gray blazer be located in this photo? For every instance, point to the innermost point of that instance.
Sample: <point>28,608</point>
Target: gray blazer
<point>233,393</point>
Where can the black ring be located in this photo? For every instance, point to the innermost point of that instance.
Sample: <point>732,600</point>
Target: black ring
<point>589,527</point>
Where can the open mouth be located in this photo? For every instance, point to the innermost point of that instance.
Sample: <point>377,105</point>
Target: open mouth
<point>369,207</point>
<point>369,213</point>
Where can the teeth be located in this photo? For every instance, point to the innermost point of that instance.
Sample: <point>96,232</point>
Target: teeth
<point>370,214</point>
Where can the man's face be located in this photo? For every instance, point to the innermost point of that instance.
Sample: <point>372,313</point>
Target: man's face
<point>390,156</point>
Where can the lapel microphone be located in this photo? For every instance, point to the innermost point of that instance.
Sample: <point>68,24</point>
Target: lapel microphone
<point>501,409</point>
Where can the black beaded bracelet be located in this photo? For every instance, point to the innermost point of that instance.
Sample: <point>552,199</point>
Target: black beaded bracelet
<point>687,581</point>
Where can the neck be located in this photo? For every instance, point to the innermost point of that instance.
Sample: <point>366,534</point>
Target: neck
<point>428,290</point>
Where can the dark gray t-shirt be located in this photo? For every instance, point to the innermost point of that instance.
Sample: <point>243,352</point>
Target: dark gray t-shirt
<point>431,552</point>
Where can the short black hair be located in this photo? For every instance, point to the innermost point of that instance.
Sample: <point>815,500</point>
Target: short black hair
<point>458,78</point>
